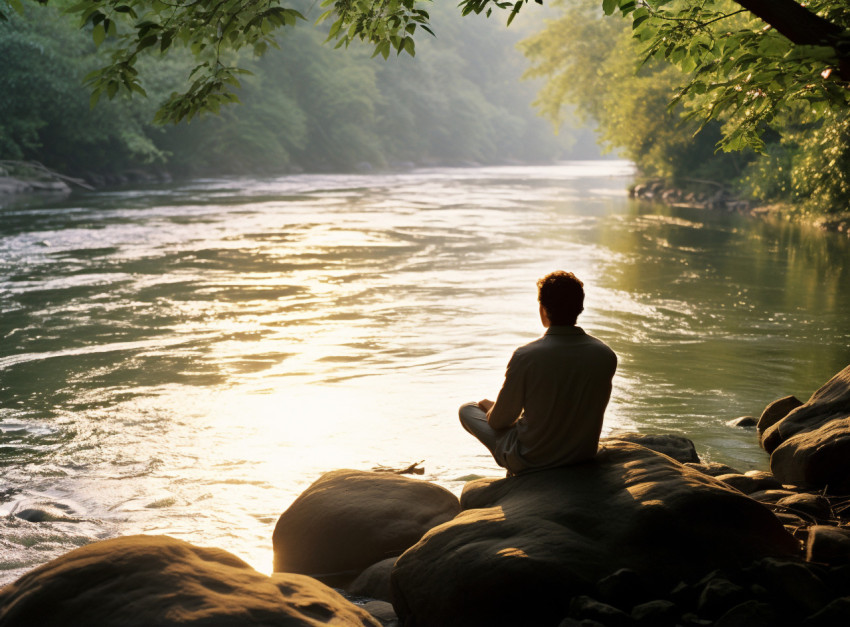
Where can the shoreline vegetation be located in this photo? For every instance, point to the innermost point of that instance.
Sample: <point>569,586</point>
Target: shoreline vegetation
<point>711,195</point>
<point>645,535</point>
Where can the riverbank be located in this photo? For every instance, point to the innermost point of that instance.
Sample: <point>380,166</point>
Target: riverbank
<point>31,177</point>
<point>714,196</point>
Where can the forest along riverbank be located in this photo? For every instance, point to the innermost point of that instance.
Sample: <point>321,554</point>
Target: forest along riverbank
<point>187,358</point>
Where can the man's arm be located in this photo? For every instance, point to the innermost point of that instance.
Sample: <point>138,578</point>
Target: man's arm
<point>508,406</point>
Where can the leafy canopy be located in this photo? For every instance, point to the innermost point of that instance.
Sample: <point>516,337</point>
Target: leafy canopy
<point>213,30</point>
<point>747,60</point>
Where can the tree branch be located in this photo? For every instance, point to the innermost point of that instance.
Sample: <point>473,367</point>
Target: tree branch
<point>803,27</point>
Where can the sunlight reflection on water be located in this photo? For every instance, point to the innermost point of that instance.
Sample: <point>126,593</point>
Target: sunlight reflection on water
<point>186,360</point>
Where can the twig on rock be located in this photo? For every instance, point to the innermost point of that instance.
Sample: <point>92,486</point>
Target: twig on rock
<point>413,469</point>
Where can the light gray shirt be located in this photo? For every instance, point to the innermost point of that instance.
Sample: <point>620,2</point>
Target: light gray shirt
<point>553,400</point>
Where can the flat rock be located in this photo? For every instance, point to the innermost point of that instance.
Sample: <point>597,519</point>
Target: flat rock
<point>713,468</point>
<point>810,446</point>
<point>137,581</point>
<point>348,520</point>
<point>525,545</point>
<point>752,481</point>
<point>678,447</point>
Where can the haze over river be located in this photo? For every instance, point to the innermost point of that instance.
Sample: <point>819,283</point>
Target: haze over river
<point>187,359</point>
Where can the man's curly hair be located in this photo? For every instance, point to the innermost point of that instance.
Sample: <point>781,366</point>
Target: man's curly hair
<point>562,296</point>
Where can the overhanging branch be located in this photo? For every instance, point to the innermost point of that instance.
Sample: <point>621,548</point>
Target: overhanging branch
<point>803,27</point>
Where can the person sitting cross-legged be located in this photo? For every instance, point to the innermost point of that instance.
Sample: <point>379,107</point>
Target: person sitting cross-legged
<point>550,409</point>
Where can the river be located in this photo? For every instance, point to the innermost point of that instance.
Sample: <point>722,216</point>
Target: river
<point>186,359</point>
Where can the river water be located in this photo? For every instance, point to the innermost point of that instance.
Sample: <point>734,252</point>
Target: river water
<point>187,359</point>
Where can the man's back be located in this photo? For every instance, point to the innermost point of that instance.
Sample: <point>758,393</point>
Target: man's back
<point>561,384</point>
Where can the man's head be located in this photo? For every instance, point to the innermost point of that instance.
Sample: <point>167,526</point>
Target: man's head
<point>561,297</point>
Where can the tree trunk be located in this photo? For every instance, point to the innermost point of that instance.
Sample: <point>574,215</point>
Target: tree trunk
<point>803,27</point>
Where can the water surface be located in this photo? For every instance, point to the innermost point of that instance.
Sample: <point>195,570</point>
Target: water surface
<point>187,359</point>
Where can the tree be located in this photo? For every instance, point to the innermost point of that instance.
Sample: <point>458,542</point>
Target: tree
<point>747,61</point>
<point>627,101</point>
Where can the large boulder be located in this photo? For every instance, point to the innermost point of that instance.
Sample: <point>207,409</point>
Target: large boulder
<point>348,520</point>
<point>525,545</point>
<point>810,446</point>
<point>157,581</point>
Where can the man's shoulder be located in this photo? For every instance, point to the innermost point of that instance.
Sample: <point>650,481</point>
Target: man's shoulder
<point>580,341</point>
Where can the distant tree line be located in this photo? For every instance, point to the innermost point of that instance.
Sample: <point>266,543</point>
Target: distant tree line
<point>305,106</point>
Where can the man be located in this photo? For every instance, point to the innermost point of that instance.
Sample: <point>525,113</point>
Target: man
<point>550,408</point>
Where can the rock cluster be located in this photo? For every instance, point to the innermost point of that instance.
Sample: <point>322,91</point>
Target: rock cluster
<point>770,592</point>
<point>809,443</point>
<point>525,546</point>
<point>711,196</point>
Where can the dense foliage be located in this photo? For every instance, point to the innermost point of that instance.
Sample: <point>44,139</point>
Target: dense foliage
<point>781,108</point>
<point>305,105</point>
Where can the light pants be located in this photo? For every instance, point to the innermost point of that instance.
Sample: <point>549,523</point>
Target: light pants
<point>474,420</point>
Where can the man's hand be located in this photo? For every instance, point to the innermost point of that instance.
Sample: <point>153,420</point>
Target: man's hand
<point>486,404</point>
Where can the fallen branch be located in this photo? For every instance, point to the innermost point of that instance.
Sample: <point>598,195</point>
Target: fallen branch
<point>413,469</point>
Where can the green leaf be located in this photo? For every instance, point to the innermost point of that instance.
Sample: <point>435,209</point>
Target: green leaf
<point>609,6</point>
<point>98,34</point>
<point>408,46</point>
<point>147,42</point>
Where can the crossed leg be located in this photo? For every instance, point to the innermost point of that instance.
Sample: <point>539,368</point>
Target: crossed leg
<point>474,420</point>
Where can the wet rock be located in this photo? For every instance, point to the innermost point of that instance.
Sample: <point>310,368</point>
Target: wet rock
<point>792,586</point>
<point>775,412</point>
<point>835,613</point>
<point>771,496</point>
<point>828,545</point>
<point>624,589</point>
<point>657,613</point>
<point>807,505</point>
<point>383,612</point>
<point>525,545</point>
<point>752,481</point>
<point>792,522</point>
<point>750,613</point>
<point>585,608</point>
<point>573,622</point>
<point>742,421</point>
<point>684,594</point>
<point>348,520</point>
<point>678,447</point>
<point>157,580</point>
<point>713,469</point>
<point>810,446</point>
<point>374,582</point>
<point>718,597</point>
